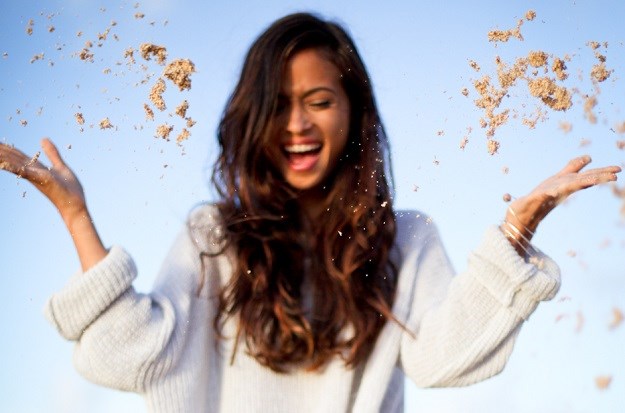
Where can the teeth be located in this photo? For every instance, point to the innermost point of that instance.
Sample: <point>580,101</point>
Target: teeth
<point>302,148</point>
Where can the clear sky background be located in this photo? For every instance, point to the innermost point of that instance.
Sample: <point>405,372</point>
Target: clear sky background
<point>141,188</point>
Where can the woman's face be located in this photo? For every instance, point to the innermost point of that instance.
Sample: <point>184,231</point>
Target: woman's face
<point>313,120</point>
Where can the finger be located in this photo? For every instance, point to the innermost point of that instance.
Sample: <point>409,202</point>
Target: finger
<point>14,160</point>
<point>590,179</point>
<point>4,163</point>
<point>23,166</point>
<point>613,169</point>
<point>52,153</point>
<point>575,165</point>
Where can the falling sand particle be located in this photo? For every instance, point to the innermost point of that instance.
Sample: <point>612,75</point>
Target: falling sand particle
<point>503,35</point>
<point>589,103</point>
<point>493,146</point>
<point>603,382</point>
<point>156,94</point>
<point>552,95</point>
<point>538,262</point>
<point>537,59</point>
<point>163,131</point>
<point>36,57</point>
<point>33,160</point>
<point>558,67</point>
<point>130,55</point>
<point>599,72</point>
<point>29,28</point>
<point>105,124</point>
<point>580,322</point>
<point>617,318</point>
<point>149,113</point>
<point>86,55</point>
<point>149,50</point>
<point>183,136</point>
<point>566,127</point>
<point>181,110</point>
<point>463,142</point>
<point>179,72</point>
<point>594,45</point>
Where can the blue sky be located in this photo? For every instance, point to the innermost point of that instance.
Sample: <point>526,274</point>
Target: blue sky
<point>140,188</point>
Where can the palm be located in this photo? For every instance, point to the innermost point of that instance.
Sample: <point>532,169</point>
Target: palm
<point>532,208</point>
<point>58,182</point>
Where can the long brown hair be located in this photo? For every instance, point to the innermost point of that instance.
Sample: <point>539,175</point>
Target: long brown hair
<point>350,277</point>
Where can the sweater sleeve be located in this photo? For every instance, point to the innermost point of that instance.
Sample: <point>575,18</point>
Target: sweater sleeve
<point>125,339</point>
<point>462,328</point>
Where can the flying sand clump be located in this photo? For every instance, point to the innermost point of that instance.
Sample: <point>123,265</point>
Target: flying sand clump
<point>178,72</point>
<point>149,50</point>
<point>541,73</point>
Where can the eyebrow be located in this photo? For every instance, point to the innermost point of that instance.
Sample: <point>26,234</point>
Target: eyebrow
<point>318,89</point>
<point>311,92</point>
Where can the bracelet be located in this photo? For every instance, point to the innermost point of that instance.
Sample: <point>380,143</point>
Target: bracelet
<point>512,238</point>
<point>505,228</point>
<point>517,218</point>
<point>518,232</point>
<point>526,246</point>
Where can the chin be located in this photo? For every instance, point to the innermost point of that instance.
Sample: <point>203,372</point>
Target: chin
<point>304,181</point>
<point>304,184</point>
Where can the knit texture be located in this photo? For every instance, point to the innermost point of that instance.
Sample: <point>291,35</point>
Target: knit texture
<point>460,328</point>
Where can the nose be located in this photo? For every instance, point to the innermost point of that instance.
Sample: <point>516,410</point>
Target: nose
<point>298,121</point>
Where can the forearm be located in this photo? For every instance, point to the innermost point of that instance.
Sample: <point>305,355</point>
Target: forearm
<point>86,238</point>
<point>468,335</point>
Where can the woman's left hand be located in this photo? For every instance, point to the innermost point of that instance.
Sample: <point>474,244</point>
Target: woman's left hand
<point>526,212</point>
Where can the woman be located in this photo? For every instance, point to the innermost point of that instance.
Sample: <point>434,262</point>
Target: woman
<point>300,289</point>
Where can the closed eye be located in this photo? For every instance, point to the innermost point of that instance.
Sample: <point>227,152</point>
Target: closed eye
<point>320,104</point>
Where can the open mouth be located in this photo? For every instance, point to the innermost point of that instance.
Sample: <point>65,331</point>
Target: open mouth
<point>302,156</point>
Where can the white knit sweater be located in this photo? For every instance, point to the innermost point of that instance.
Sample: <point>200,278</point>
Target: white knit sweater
<point>163,345</point>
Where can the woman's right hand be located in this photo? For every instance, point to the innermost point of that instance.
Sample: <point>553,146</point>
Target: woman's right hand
<point>58,183</point>
<point>61,186</point>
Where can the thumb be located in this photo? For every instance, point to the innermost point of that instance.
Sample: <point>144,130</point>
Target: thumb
<point>52,153</point>
<point>575,165</point>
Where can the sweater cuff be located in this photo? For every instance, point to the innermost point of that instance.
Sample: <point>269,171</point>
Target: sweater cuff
<point>88,294</point>
<point>515,282</point>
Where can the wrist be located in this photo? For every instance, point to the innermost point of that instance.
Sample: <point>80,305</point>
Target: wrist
<point>74,217</point>
<point>525,215</point>
<point>517,232</point>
